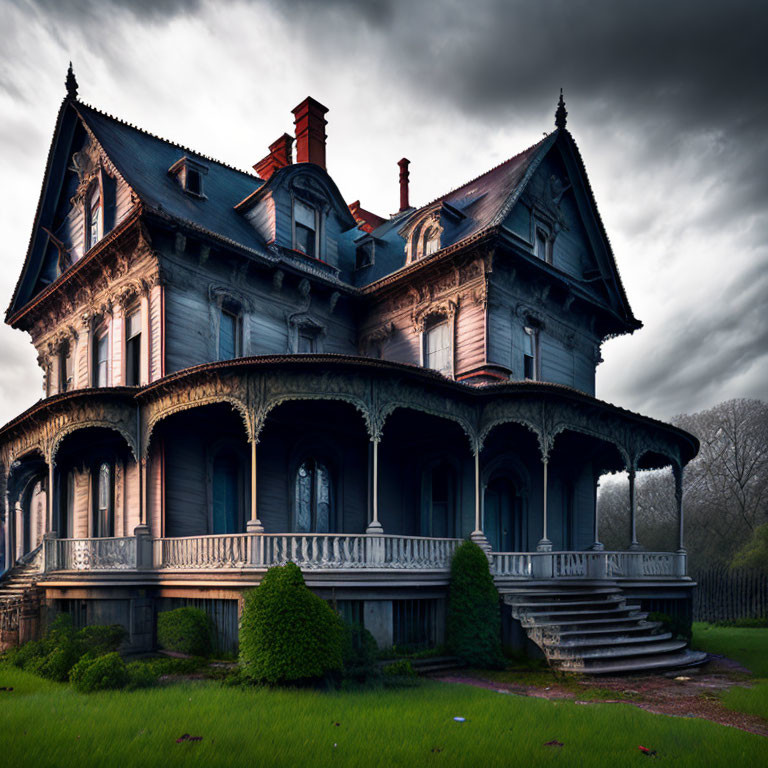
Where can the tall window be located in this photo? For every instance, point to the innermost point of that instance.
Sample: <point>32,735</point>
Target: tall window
<point>313,498</point>
<point>133,349</point>
<point>67,506</point>
<point>304,220</point>
<point>307,341</point>
<point>531,353</point>
<point>441,501</point>
<point>94,218</point>
<point>104,510</point>
<point>437,348</point>
<point>226,493</point>
<point>65,368</point>
<point>101,360</point>
<point>230,336</point>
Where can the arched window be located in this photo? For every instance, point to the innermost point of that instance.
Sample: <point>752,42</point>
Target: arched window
<point>431,241</point>
<point>226,493</point>
<point>313,498</point>
<point>104,523</point>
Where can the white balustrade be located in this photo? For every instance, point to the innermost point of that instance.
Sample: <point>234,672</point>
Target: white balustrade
<point>515,564</point>
<point>202,552</point>
<point>112,554</point>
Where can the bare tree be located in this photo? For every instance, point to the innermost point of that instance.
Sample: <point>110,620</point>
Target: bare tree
<point>725,491</point>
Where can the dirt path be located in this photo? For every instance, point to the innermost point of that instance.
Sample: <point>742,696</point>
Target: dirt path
<point>697,694</point>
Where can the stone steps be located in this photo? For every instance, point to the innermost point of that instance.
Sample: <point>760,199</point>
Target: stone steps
<point>595,631</point>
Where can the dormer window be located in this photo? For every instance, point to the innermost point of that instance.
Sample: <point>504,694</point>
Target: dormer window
<point>364,255</point>
<point>94,218</point>
<point>431,241</point>
<point>305,229</point>
<point>189,175</point>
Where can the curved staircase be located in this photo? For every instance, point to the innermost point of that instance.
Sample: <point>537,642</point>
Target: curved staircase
<point>22,576</point>
<point>593,630</point>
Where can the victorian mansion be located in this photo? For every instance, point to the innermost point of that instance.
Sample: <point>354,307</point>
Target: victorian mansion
<point>242,369</point>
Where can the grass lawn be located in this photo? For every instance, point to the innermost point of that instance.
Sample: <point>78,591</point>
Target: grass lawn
<point>48,724</point>
<point>750,648</point>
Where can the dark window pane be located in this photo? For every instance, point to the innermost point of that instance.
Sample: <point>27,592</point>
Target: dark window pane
<point>227,336</point>
<point>305,240</point>
<point>193,182</point>
<point>226,502</point>
<point>306,343</point>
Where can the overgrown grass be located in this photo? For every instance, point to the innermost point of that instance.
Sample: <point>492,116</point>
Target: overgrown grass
<point>45,724</point>
<point>749,647</point>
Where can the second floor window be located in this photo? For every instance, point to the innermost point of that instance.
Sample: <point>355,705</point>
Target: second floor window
<point>133,349</point>
<point>437,348</point>
<point>66,369</point>
<point>230,337</point>
<point>531,353</point>
<point>104,522</point>
<point>305,225</point>
<point>94,219</point>
<point>101,360</point>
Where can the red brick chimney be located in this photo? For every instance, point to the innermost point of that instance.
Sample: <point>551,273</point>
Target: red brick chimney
<point>404,174</point>
<point>310,132</point>
<point>279,156</point>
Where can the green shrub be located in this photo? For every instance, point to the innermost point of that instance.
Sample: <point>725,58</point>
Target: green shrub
<point>399,668</point>
<point>679,626</point>
<point>185,630</point>
<point>359,653</point>
<point>140,675</point>
<point>287,633</point>
<point>743,623</point>
<point>99,674</point>
<point>473,625</point>
<point>100,639</point>
<point>25,655</point>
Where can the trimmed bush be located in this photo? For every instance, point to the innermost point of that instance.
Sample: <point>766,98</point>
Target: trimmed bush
<point>100,639</point>
<point>287,633</point>
<point>359,653</point>
<point>99,674</point>
<point>140,675</point>
<point>185,630</point>
<point>473,625</point>
<point>399,668</point>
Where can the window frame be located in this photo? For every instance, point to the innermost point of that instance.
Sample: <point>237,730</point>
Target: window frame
<point>101,332</point>
<point>136,338</point>
<point>231,309</point>
<point>318,460</point>
<point>65,361</point>
<point>534,334</point>
<point>432,323</point>
<point>96,193</point>
<point>318,225</point>
<point>103,527</point>
<point>543,235</point>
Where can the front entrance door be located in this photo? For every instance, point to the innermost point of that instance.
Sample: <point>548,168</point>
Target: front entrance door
<point>503,521</point>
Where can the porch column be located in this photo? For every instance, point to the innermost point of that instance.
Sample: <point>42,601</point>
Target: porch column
<point>634,544</point>
<point>596,544</point>
<point>544,545</point>
<point>375,526</point>
<point>142,529</point>
<point>478,535</point>
<point>254,524</point>
<point>678,474</point>
<point>50,499</point>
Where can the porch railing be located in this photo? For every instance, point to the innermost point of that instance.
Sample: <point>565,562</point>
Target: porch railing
<point>587,565</point>
<point>113,554</point>
<point>333,551</point>
<point>309,551</point>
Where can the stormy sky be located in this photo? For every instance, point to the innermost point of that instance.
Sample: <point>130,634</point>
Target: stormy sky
<point>666,100</point>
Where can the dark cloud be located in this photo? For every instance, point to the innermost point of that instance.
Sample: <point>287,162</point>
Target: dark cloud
<point>83,11</point>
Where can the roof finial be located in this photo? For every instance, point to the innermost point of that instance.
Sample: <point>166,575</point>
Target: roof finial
<point>71,83</point>
<point>560,114</point>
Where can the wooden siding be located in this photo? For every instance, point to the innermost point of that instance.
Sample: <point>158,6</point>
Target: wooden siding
<point>469,343</point>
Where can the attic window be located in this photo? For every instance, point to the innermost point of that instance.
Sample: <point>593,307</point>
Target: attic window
<point>543,246</point>
<point>305,229</point>
<point>431,242</point>
<point>189,175</point>
<point>94,218</point>
<point>364,255</point>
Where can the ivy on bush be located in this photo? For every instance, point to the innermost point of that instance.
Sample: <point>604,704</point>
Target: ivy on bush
<point>287,633</point>
<point>185,630</point>
<point>473,625</point>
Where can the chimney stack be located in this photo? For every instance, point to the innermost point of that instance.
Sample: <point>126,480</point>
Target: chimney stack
<point>404,174</point>
<point>310,132</point>
<point>279,156</point>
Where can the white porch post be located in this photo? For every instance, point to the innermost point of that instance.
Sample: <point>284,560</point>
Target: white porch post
<point>478,535</point>
<point>596,544</point>
<point>682,557</point>
<point>49,527</point>
<point>544,545</point>
<point>375,526</point>
<point>634,545</point>
<point>254,524</point>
